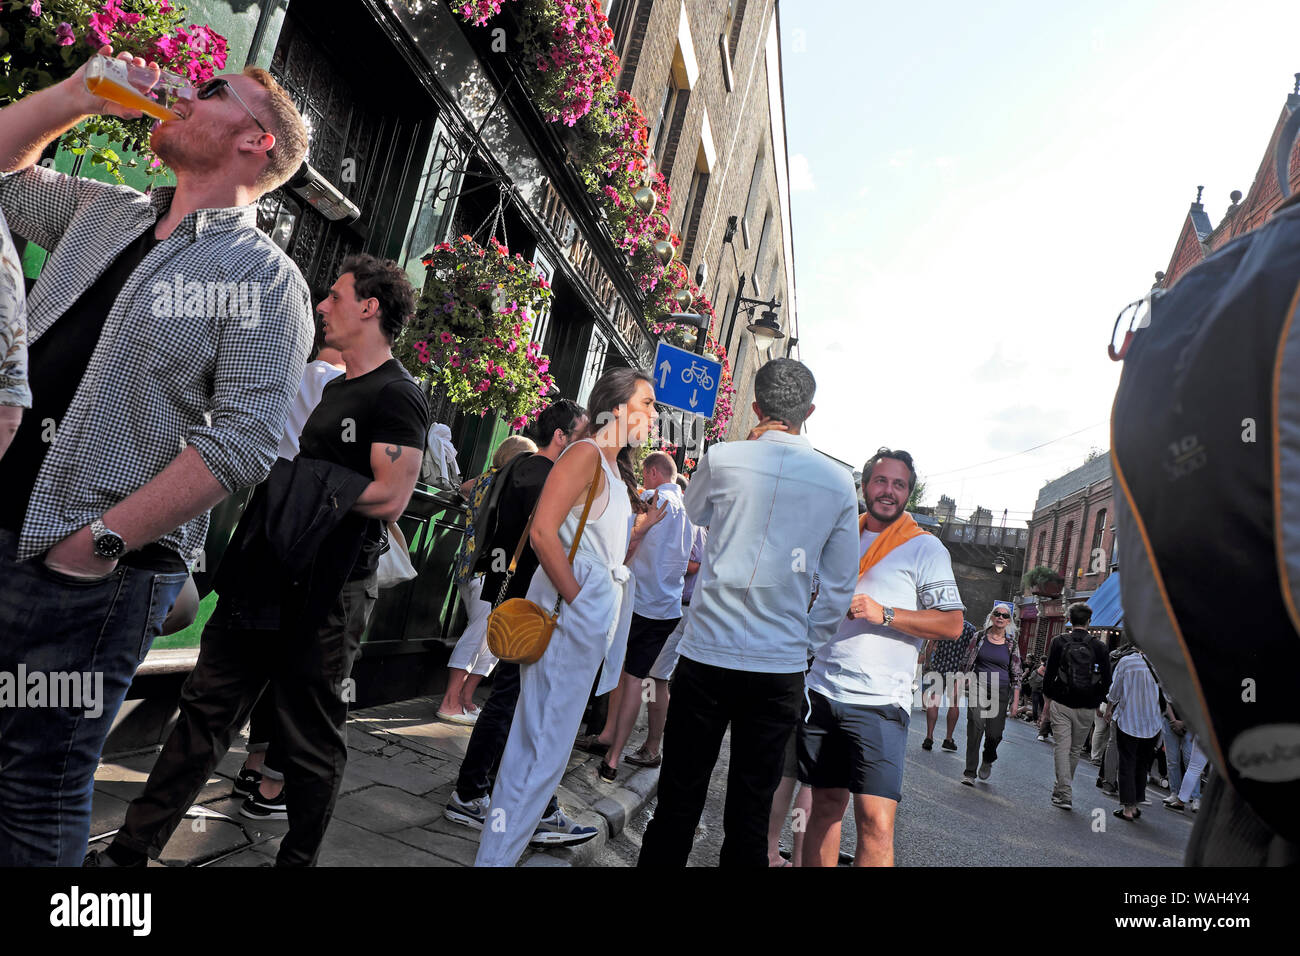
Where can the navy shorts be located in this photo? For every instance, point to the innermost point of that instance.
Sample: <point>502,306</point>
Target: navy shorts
<point>856,747</point>
<point>645,639</point>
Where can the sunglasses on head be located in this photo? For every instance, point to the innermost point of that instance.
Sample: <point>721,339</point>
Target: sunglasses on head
<point>1002,614</point>
<point>218,83</point>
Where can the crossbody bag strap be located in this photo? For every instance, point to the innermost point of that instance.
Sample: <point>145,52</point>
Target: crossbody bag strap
<point>519,548</point>
<point>582,523</point>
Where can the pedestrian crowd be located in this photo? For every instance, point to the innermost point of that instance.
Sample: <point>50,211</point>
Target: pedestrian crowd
<point>754,598</point>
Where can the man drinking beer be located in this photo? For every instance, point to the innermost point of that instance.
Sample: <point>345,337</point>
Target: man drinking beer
<point>143,416</point>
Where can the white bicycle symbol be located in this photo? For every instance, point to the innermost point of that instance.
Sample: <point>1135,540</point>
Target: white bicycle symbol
<point>699,374</point>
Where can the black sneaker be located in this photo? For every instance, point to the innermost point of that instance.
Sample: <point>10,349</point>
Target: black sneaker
<point>246,782</point>
<point>927,743</point>
<point>949,744</point>
<point>258,807</point>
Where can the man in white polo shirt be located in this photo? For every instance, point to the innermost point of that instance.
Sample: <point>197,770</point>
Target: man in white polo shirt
<point>658,563</point>
<point>860,684</point>
<point>777,510</point>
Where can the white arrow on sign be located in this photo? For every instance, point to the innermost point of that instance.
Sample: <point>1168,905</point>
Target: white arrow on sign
<point>694,397</point>
<point>664,369</point>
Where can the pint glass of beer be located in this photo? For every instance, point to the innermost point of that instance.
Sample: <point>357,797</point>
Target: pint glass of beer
<point>136,87</point>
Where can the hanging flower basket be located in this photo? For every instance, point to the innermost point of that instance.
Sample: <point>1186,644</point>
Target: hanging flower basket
<point>473,327</point>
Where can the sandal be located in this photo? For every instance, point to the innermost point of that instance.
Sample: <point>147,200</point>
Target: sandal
<point>641,759</point>
<point>607,773</point>
<point>1120,813</point>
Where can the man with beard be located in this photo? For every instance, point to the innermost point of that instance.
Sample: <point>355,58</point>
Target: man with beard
<point>860,683</point>
<point>168,336</point>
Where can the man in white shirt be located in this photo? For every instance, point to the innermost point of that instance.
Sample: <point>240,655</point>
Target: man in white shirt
<point>1136,703</point>
<point>860,684</point>
<point>776,510</point>
<point>658,563</point>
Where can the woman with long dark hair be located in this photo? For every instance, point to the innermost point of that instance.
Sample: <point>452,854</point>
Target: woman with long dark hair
<point>597,609</point>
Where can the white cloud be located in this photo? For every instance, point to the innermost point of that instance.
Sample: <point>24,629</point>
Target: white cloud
<point>801,177</point>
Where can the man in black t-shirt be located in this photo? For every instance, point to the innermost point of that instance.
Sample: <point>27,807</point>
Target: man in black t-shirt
<point>371,422</point>
<point>558,426</point>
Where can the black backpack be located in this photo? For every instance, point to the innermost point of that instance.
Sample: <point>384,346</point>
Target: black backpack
<point>485,519</point>
<point>1205,453</point>
<point>1076,670</point>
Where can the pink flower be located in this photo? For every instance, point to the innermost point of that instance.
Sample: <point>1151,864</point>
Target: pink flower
<point>36,8</point>
<point>446,338</point>
<point>165,48</point>
<point>64,35</point>
<point>483,386</point>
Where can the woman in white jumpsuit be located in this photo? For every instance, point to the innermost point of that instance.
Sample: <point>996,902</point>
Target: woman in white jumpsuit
<point>593,622</point>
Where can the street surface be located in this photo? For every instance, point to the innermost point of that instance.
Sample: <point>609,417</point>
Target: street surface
<point>1008,821</point>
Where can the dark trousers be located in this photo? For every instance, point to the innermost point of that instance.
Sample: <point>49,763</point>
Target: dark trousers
<point>262,737</point>
<point>1135,755</point>
<point>309,677</point>
<point>1036,697</point>
<point>977,726</point>
<point>760,709</point>
<point>86,638</point>
<point>487,742</point>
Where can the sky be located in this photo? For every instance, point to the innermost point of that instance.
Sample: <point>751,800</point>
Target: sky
<point>978,189</point>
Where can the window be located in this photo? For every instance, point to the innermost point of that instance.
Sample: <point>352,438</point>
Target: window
<point>1099,528</point>
<point>667,109</point>
<point>1042,547</point>
<point>595,364</point>
<point>1064,568</point>
<point>729,38</point>
<point>693,207</point>
<point>755,181</point>
<point>628,21</point>
<point>762,244</point>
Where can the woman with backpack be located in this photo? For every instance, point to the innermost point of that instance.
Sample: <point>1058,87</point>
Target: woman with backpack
<point>993,666</point>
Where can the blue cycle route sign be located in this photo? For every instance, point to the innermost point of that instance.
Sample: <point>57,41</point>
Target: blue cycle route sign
<point>685,380</point>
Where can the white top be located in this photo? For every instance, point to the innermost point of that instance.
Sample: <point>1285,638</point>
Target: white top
<point>315,377</point>
<point>1136,696</point>
<point>873,664</point>
<point>659,564</point>
<point>777,510</point>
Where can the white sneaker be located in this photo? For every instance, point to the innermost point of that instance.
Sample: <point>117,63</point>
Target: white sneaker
<point>1042,736</point>
<point>1194,805</point>
<point>559,830</point>
<point>464,719</point>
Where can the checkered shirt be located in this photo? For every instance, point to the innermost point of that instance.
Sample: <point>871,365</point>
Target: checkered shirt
<point>163,374</point>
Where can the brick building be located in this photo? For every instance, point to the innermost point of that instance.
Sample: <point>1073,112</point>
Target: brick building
<point>1198,238</point>
<point>1072,532</point>
<point>707,74</point>
<point>465,149</point>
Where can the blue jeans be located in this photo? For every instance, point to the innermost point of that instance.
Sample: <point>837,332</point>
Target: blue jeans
<point>86,638</point>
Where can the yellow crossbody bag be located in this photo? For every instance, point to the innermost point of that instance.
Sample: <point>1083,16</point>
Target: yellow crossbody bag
<point>518,630</point>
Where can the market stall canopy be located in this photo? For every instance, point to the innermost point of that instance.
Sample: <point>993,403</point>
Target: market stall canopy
<point>1106,609</point>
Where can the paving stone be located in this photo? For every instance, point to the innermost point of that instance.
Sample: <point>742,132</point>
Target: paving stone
<point>452,850</point>
<point>349,845</point>
<point>359,739</point>
<point>245,858</point>
<point>106,812</point>
<point>384,809</point>
<point>199,838</point>
<point>412,778</point>
<point>392,750</point>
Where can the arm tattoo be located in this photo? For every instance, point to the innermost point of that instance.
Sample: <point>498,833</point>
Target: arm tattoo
<point>393,451</point>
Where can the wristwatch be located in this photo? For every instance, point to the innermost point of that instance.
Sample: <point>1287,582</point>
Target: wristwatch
<point>108,544</point>
<point>888,615</point>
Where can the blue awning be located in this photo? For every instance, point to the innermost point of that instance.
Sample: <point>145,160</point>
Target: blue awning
<point>1106,609</point>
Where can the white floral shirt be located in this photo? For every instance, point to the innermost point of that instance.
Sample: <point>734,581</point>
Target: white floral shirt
<point>13,324</point>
